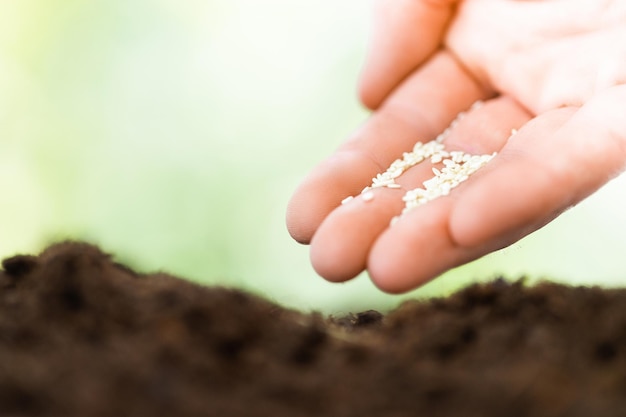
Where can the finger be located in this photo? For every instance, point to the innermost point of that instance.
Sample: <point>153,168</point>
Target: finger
<point>541,174</point>
<point>421,108</point>
<point>405,34</point>
<point>421,245</point>
<point>340,248</point>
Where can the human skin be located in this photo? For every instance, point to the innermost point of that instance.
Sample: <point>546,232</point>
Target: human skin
<point>555,70</point>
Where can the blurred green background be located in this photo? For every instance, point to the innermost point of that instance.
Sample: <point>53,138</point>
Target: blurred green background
<point>173,132</point>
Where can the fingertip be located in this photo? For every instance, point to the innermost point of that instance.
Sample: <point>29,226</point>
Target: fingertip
<point>409,254</point>
<point>387,277</point>
<point>404,36</point>
<point>336,253</point>
<point>369,96</point>
<point>331,262</point>
<point>340,247</point>
<point>308,208</point>
<point>391,279</point>
<point>323,190</point>
<point>301,219</point>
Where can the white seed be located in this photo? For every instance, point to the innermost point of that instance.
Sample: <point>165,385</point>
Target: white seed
<point>455,171</point>
<point>458,166</point>
<point>347,199</point>
<point>381,181</point>
<point>436,158</point>
<point>396,173</point>
<point>457,156</point>
<point>477,104</point>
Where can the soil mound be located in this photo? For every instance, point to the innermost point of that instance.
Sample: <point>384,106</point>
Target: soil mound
<point>81,335</point>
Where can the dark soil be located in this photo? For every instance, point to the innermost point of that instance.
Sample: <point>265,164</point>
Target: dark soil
<point>83,336</point>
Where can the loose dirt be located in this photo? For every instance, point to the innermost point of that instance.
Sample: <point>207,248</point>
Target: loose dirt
<point>81,335</point>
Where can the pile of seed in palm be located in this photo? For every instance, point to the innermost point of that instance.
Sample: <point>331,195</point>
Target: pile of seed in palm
<point>455,168</point>
<point>81,335</point>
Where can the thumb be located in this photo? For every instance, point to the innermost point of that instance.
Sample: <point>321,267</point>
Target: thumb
<point>405,33</point>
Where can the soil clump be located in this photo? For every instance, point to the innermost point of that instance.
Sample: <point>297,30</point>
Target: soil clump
<point>82,335</point>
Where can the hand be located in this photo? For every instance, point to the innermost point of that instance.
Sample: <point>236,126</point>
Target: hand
<point>553,69</point>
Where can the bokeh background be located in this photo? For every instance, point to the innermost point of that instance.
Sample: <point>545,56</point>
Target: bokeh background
<point>173,132</point>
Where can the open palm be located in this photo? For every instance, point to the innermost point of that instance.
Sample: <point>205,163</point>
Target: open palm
<point>554,70</point>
